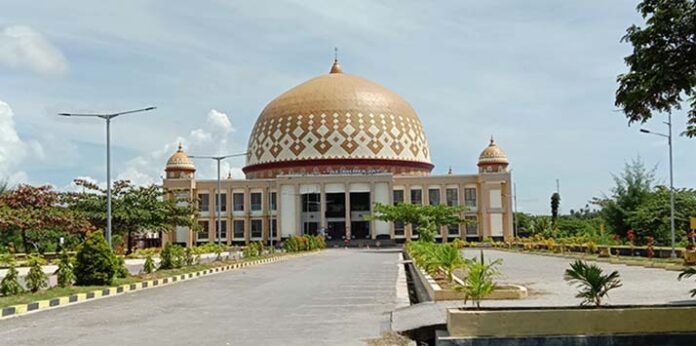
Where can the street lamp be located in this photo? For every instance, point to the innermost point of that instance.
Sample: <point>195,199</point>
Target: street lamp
<point>107,117</point>
<point>217,198</point>
<point>671,175</point>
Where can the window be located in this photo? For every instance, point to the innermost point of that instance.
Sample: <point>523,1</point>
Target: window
<point>238,231</point>
<point>223,201</point>
<point>310,202</point>
<point>238,202</point>
<point>274,205</point>
<point>256,229</point>
<point>472,225</point>
<point>452,197</point>
<point>453,229</point>
<point>203,230</point>
<point>470,197</point>
<point>256,201</point>
<point>434,196</point>
<point>398,228</point>
<point>223,229</point>
<point>203,202</point>
<point>398,196</point>
<point>416,197</point>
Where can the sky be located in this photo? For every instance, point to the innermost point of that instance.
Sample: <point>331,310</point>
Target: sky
<point>539,76</point>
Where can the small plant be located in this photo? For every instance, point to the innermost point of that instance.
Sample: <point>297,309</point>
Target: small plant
<point>189,258</point>
<point>149,265</point>
<point>650,252</point>
<point>591,247</point>
<point>65,274</point>
<point>10,283</point>
<point>479,281</point>
<point>448,258</point>
<point>630,235</point>
<point>687,273</point>
<point>36,279</point>
<point>120,269</point>
<point>592,284</point>
<point>94,262</point>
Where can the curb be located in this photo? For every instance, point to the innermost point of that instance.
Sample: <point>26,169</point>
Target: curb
<point>43,305</point>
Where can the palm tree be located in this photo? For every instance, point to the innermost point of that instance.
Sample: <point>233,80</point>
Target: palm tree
<point>448,258</point>
<point>593,285</point>
<point>4,186</point>
<point>687,273</point>
<point>479,280</point>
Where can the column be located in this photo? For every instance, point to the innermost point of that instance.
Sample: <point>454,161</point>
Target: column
<point>347,203</point>
<point>322,206</point>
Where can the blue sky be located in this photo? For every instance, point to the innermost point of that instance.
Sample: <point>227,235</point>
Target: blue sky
<point>538,75</point>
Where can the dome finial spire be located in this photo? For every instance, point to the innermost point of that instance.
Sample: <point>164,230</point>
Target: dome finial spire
<point>492,140</point>
<point>336,67</point>
<point>181,147</point>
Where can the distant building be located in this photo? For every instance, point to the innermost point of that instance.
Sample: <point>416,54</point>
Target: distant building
<point>320,156</point>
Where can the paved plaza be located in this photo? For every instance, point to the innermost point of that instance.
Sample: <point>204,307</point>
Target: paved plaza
<point>543,276</point>
<point>335,297</point>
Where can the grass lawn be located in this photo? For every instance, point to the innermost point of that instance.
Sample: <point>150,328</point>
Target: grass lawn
<point>56,292</point>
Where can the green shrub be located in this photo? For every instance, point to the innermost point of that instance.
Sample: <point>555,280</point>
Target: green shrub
<point>149,265</point>
<point>65,270</point>
<point>36,279</point>
<point>10,283</point>
<point>120,267</point>
<point>172,256</point>
<point>94,262</point>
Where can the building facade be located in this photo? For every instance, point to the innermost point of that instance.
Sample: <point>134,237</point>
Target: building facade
<point>322,154</point>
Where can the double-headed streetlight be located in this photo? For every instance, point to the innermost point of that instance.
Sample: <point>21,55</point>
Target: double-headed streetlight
<point>219,188</point>
<point>671,175</point>
<point>107,117</point>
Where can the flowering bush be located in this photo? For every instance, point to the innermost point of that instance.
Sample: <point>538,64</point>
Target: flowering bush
<point>650,251</point>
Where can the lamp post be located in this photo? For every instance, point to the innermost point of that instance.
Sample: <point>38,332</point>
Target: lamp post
<point>671,176</point>
<point>219,188</point>
<point>107,117</point>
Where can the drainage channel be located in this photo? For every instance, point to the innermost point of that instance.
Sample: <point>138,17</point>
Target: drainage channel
<point>417,294</point>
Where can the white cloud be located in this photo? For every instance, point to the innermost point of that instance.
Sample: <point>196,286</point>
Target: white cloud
<point>23,47</point>
<point>219,122</point>
<point>210,139</point>
<point>12,149</point>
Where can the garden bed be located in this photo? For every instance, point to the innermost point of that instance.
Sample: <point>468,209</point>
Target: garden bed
<point>439,289</point>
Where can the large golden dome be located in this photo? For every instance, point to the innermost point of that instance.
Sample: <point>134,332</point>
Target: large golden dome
<point>337,122</point>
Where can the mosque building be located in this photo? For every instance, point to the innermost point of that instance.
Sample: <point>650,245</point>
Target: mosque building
<point>322,154</point>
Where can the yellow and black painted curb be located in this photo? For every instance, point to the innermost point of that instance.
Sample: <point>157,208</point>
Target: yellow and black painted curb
<point>21,309</point>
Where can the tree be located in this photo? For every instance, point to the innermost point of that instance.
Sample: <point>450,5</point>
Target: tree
<point>95,261</point>
<point>428,218</point>
<point>479,281</point>
<point>449,259</point>
<point>135,209</point>
<point>662,67</point>
<point>592,283</point>
<point>652,217</point>
<point>555,204</point>
<point>632,188</point>
<point>36,279</point>
<point>35,215</point>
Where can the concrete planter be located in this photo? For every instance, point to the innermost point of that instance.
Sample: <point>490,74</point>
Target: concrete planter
<point>690,257</point>
<point>438,293</point>
<point>526,322</point>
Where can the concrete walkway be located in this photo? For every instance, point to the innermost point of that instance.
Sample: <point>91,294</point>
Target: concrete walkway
<point>335,297</point>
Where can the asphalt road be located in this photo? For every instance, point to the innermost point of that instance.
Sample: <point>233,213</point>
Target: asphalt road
<point>336,297</point>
